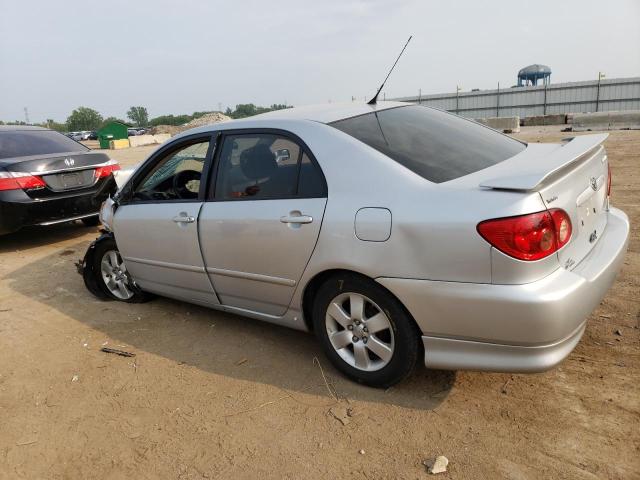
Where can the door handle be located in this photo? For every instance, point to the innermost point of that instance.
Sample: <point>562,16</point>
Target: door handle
<point>296,219</point>
<point>184,219</point>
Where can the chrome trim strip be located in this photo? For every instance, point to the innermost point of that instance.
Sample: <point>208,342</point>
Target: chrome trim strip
<point>71,169</point>
<point>174,266</point>
<point>252,276</point>
<point>70,219</point>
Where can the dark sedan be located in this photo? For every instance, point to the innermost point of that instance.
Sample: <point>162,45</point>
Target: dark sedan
<point>48,178</point>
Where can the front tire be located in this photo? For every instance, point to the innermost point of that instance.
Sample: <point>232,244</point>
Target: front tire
<point>111,274</point>
<point>364,331</point>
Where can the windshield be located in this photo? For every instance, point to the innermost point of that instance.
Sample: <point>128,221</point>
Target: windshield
<point>434,144</point>
<point>24,143</point>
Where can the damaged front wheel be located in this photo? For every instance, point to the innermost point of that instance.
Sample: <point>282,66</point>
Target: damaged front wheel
<point>106,275</point>
<point>114,275</point>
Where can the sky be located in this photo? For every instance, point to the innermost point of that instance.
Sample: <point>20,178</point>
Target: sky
<point>181,56</point>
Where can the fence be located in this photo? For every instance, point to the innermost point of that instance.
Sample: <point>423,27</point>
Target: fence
<point>575,97</point>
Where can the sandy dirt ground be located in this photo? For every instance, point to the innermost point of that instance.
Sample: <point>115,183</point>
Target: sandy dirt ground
<point>212,395</point>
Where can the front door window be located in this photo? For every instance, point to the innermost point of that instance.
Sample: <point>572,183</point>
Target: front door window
<point>176,176</point>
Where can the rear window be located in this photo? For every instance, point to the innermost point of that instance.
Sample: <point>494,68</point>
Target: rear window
<point>24,143</point>
<point>436,145</point>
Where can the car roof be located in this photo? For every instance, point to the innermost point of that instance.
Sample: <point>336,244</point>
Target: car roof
<point>328,112</point>
<point>15,128</point>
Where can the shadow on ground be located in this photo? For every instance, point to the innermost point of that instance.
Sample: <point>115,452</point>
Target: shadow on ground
<point>216,342</point>
<point>33,237</point>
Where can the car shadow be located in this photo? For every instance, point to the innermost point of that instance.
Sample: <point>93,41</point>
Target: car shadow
<point>212,341</point>
<point>35,236</point>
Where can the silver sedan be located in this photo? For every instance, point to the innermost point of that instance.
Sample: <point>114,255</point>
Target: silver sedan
<point>394,232</point>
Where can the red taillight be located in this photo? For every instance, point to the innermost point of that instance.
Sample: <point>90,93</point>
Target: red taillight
<point>528,237</point>
<point>20,181</point>
<point>608,179</point>
<point>106,170</point>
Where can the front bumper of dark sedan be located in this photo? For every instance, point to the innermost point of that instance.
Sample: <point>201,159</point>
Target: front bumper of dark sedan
<point>17,209</point>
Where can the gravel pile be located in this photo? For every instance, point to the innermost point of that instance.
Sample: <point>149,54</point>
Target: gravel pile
<point>208,119</point>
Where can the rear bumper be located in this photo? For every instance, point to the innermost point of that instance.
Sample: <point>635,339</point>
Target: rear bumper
<point>513,328</point>
<point>18,210</point>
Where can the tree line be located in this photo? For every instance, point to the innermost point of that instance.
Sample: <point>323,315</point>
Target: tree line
<point>85,118</point>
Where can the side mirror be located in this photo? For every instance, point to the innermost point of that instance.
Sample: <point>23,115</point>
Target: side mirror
<point>282,155</point>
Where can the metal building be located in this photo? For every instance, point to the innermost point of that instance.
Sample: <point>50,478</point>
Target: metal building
<point>613,94</point>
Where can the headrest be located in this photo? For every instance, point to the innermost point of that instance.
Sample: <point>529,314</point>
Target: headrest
<point>258,162</point>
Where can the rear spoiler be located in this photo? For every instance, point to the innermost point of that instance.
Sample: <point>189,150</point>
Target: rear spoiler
<point>534,173</point>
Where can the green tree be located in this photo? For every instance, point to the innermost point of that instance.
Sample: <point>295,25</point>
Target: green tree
<point>249,109</point>
<point>84,118</point>
<point>112,119</point>
<point>175,120</point>
<point>139,116</point>
<point>53,125</point>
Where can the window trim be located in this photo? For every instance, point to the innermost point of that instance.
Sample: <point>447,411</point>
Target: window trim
<point>304,149</point>
<point>159,155</point>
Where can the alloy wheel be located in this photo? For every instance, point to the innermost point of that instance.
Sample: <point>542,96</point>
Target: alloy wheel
<point>360,331</point>
<point>114,275</point>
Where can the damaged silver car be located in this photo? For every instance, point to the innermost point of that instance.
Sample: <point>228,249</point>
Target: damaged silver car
<point>396,233</point>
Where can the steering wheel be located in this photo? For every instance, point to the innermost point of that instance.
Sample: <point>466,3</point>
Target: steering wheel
<point>180,181</point>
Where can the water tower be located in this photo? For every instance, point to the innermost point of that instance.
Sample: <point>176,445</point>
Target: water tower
<point>531,74</point>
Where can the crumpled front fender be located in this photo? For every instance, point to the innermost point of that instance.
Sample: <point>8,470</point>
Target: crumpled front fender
<point>86,267</point>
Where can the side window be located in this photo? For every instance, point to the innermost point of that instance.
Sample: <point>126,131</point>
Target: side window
<point>311,181</point>
<point>257,166</point>
<point>176,176</point>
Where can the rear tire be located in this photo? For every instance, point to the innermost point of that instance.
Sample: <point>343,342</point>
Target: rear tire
<point>111,274</point>
<point>91,221</point>
<point>364,331</point>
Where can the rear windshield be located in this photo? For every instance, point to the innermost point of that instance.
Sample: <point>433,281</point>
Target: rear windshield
<point>434,144</point>
<point>24,143</point>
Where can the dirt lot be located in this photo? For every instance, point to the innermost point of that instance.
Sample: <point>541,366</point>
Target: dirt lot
<point>211,395</point>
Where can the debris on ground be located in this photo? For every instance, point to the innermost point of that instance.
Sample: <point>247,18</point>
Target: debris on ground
<point>618,332</point>
<point>122,353</point>
<point>361,452</point>
<point>341,414</point>
<point>504,387</point>
<point>75,378</point>
<point>240,362</point>
<point>26,442</point>
<point>437,465</point>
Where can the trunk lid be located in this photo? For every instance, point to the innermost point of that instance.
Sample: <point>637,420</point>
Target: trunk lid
<point>60,172</point>
<point>573,177</point>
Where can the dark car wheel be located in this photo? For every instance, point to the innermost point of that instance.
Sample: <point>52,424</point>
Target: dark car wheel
<point>364,331</point>
<point>91,221</point>
<point>111,274</point>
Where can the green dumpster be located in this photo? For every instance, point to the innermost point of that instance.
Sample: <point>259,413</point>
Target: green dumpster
<point>112,131</point>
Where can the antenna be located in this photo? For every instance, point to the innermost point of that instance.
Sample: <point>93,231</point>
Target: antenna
<point>375,98</point>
